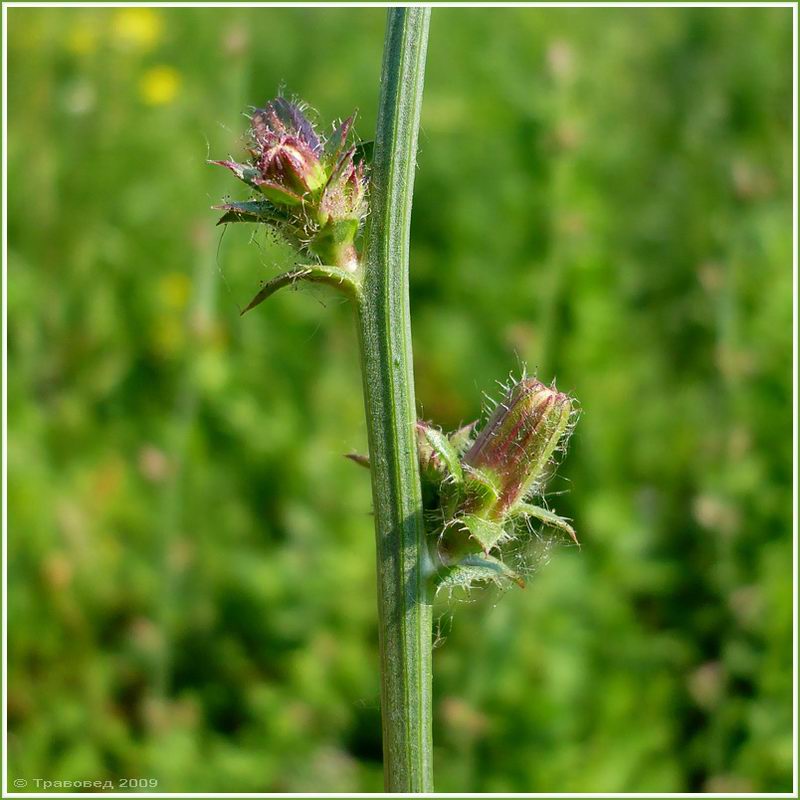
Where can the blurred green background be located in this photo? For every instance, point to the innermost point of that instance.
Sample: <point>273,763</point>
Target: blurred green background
<point>603,195</point>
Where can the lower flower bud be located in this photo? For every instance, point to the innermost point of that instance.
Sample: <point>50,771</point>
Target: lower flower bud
<point>514,448</point>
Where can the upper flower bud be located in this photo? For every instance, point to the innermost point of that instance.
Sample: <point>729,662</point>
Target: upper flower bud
<point>316,185</point>
<point>512,451</point>
<point>286,151</point>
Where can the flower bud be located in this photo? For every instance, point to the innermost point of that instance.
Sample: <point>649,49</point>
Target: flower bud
<point>316,183</point>
<point>343,198</point>
<point>513,450</point>
<point>286,150</point>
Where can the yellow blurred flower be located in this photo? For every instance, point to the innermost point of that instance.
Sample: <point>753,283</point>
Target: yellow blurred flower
<point>137,28</point>
<point>159,85</point>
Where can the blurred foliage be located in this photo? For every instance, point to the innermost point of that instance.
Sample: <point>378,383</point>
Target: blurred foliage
<point>602,194</point>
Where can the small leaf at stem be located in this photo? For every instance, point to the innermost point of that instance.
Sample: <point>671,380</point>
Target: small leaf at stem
<point>475,568</point>
<point>358,458</point>
<point>547,517</point>
<point>250,211</point>
<point>319,273</point>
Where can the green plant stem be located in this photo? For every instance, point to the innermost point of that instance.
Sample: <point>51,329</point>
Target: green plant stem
<point>404,607</point>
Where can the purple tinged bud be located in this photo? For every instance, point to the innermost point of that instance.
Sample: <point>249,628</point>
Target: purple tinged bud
<point>286,150</point>
<point>515,446</point>
<point>282,118</point>
<point>315,187</point>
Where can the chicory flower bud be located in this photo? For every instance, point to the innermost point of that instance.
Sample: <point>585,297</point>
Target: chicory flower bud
<point>286,150</point>
<point>512,452</point>
<point>315,184</point>
<point>286,154</point>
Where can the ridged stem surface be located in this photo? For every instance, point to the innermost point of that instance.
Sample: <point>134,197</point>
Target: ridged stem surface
<point>404,605</point>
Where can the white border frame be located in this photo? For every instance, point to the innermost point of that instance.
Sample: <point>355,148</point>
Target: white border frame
<point>480,4</point>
